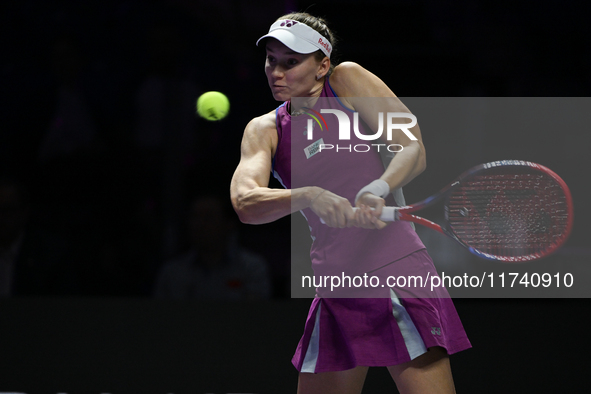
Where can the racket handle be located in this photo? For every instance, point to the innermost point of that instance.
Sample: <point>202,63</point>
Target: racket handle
<point>388,214</point>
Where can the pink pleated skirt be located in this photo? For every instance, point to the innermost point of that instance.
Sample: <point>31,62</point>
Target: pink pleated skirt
<point>343,333</point>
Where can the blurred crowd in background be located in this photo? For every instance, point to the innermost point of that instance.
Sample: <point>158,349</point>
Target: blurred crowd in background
<point>110,185</point>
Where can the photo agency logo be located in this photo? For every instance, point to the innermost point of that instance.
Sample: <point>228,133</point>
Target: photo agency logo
<point>345,126</point>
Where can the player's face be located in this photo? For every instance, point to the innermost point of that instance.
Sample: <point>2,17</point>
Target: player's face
<point>290,74</point>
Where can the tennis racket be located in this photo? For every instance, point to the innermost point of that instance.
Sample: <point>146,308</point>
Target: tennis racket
<point>510,210</point>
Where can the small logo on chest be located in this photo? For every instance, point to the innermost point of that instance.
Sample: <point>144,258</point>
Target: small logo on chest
<point>311,150</point>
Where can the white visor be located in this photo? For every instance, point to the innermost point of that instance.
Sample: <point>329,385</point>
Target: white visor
<point>298,37</point>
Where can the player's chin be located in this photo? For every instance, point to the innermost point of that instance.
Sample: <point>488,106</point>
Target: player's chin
<point>281,96</point>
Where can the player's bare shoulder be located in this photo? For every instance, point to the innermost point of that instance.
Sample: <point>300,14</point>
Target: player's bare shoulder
<point>349,79</point>
<point>346,77</point>
<point>261,132</point>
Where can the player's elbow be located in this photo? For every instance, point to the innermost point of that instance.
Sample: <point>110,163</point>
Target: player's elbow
<point>241,207</point>
<point>246,218</point>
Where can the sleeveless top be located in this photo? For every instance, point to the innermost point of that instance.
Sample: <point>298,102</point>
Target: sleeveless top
<point>298,163</point>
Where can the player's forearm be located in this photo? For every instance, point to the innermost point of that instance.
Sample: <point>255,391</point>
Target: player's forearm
<point>264,205</point>
<point>405,166</point>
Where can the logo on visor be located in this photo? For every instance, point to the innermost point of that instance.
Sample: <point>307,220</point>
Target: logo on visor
<point>326,45</point>
<point>288,23</point>
<point>314,115</point>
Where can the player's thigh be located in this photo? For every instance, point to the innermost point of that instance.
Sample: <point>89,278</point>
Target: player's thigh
<point>338,382</point>
<point>427,374</point>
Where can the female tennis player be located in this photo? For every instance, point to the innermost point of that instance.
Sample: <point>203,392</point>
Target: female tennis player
<point>411,336</point>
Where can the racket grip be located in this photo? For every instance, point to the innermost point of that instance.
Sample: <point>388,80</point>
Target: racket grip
<point>388,214</point>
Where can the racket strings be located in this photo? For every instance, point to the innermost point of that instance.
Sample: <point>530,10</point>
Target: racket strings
<point>509,214</point>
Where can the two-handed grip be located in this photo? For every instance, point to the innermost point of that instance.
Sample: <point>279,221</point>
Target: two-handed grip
<point>388,214</point>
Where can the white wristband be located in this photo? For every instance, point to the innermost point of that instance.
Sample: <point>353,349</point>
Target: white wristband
<point>378,188</point>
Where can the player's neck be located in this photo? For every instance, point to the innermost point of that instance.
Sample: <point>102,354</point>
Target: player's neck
<point>297,105</point>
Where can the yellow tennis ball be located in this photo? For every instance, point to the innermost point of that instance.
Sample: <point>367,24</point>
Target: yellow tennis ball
<point>213,105</point>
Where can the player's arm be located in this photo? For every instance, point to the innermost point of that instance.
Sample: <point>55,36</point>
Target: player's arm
<point>255,202</point>
<point>357,83</point>
<point>353,83</point>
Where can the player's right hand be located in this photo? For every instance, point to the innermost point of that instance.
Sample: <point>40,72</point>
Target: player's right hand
<point>334,210</point>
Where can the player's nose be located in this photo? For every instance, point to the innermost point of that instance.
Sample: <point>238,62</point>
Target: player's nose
<point>277,72</point>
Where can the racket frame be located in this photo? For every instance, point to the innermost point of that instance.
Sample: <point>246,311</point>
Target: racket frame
<point>405,213</point>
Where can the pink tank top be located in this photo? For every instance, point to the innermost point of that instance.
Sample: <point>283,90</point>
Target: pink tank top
<point>297,164</point>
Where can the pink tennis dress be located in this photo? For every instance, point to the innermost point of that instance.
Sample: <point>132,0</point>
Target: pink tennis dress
<point>359,326</point>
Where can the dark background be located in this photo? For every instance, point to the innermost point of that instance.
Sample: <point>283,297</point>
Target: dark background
<point>97,328</point>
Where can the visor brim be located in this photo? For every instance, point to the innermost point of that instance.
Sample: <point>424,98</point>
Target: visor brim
<point>291,41</point>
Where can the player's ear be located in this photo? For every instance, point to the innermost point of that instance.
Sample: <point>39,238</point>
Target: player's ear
<point>323,67</point>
